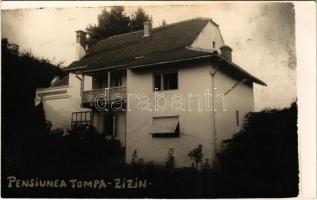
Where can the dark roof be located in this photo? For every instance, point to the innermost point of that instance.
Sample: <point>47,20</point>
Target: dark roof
<point>165,44</point>
<point>123,49</point>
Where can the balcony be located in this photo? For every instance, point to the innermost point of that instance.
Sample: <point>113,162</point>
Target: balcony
<point>108,95</point>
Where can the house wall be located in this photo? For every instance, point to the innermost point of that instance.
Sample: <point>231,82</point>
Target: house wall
<point>210,33</point>
<point>196,126</point>
<point>238,99</point>
<point>59,108</point>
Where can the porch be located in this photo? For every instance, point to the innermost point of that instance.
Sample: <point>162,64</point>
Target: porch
<point>103,88</point>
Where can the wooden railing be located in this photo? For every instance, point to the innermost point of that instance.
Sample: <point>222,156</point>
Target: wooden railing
<point>108,94</point>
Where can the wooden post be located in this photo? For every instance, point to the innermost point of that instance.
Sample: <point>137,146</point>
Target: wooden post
<point>108,92</point>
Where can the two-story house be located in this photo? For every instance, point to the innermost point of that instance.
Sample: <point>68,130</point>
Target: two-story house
<point>173,86</point>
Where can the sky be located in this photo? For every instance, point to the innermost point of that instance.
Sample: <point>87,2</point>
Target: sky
<point>261,34</point>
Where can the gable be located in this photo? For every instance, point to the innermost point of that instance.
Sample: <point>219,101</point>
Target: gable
<point>205,38</point>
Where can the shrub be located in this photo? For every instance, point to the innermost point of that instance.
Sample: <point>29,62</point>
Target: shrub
<point>196,155</point>
<point>134,157</point>
<point>170,161</point>
<point>262,159</point>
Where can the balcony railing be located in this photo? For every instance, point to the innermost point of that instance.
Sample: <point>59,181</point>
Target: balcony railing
<point>107,94</point>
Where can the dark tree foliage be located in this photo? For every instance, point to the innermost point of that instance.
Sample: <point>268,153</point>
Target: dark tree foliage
<point>138,18</point>
<point>22,74</point>
<point>116,22</point>
<point>262,159</point>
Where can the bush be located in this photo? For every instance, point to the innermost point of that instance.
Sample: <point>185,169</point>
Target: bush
<point>262,159</point>
<point>170,160</point>
<point>196,155</point>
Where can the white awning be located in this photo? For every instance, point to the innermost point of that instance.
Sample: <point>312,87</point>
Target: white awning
<point>164,124</point>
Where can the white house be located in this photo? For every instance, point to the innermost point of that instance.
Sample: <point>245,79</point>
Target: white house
<point>174,86</point>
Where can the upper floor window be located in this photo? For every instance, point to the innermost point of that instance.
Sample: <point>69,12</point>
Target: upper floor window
<point>116,78</point>
<point>166,81</point>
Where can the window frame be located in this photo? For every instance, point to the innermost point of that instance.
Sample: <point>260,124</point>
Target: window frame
<point>161,74</point>
<point>83,121</point>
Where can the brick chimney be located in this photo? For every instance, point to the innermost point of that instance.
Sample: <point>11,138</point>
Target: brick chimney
<point>81,44</point>
<point>147,28</point>
<point>226,52</point>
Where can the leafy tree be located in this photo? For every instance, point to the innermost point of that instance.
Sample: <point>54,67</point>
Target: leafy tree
<point>22,74</point>
<point>138,19</point>
<point>109,23</point>
<point>116,22</point>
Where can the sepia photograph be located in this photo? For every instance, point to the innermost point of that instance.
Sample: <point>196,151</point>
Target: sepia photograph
<point>132,100</point>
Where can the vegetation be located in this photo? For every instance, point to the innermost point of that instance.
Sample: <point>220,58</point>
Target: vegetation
<point>116,22</point>
<point>259,161</point>
<point>262,159</point>
<point>22,73</point>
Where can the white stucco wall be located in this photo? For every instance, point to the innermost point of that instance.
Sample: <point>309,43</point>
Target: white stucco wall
<point>59,108</point>
<point>238,99</point>
<point>196,127</point>
<point>209,34</point>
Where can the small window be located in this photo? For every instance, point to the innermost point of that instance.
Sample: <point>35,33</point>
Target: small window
<point>213,44</point>
<point>81,118</point>
<point>166,81</point>
<point>237,117</point>
<point>170,81</point>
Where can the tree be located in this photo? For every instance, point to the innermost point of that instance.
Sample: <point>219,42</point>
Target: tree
<point>109,23</point>
<point>116,22</point>
<point>138,19</point>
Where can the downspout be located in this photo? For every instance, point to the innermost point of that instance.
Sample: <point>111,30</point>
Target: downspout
<point>214,130</point>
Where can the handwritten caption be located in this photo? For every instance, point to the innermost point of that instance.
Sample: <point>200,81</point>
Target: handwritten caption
<point>116,183</point>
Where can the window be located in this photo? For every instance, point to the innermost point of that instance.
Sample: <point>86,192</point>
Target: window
<point>170,81</point>
<point>81,118</point>
<point>237,117</point>
<point>165,127</point>
<point>99,81</point>
<point>157,82</point>
<point>116,78</point>
<point>166,81</point>
<point>213,44</point>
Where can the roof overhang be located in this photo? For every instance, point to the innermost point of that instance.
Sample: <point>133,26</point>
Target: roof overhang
<point>236,68</point>
<point>240,70</point>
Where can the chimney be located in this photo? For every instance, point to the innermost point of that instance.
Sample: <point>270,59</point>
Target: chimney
<point>147,28</point>
<point>226,52</point>
<point>81,43</point>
